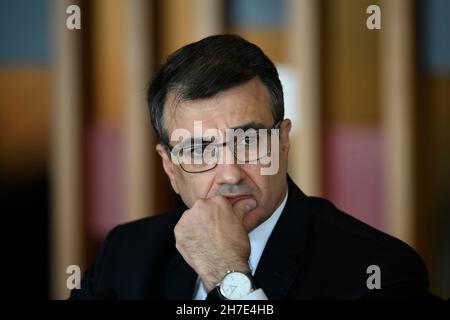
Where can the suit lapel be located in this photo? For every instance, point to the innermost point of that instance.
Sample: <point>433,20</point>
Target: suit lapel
<point>275,273</point>
<point>282,257</point>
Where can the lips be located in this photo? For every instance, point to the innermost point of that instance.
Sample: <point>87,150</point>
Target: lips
<point>236,198</point>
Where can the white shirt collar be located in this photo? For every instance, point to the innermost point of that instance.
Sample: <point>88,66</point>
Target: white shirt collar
<point>258,238</point>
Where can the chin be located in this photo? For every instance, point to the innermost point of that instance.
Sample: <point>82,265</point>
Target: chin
<point>251,220</point>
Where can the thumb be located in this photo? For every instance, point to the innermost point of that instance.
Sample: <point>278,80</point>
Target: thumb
<point>240,208</point>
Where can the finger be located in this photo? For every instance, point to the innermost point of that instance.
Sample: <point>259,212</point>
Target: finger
<point>240,208</point>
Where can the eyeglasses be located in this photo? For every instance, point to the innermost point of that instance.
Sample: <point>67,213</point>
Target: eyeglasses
<point>247,147</point>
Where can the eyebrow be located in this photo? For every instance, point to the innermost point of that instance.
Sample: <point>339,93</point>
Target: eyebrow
<point>206,140</point>
<point>195,141</point>
<point>250,125</point>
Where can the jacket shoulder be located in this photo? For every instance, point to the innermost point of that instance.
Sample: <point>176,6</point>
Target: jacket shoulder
<point>154,227</point>
<point>348,251</point>
<point>130,252</point>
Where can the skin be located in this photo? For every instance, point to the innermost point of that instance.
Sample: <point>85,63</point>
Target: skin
<point>212,235</point>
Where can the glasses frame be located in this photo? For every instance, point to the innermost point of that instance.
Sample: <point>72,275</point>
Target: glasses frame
<point>169,148</point>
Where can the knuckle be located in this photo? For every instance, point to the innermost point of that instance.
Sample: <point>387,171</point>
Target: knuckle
<point>176,231</point>
<point>199,203</point>
<point>218,201</point>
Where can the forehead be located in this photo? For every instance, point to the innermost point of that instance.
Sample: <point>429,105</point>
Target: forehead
<point>242,104</point>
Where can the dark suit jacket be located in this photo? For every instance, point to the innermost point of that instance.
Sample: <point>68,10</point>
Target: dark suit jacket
<point>314,252</point>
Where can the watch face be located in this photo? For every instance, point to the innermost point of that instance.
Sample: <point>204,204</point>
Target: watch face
<point>235,286</point>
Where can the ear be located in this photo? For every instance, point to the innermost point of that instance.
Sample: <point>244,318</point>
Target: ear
<point>167,165</point>
<point>285,129</point>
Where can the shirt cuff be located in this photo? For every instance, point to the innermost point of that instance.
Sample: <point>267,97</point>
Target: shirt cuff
<point>258,294</point>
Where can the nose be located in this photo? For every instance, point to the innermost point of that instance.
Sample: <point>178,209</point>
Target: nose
<point>227,170</point>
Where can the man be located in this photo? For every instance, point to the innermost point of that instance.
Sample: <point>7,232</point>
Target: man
<point>243,234</point>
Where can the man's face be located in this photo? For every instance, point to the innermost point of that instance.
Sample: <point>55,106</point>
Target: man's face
<point>233,108</point>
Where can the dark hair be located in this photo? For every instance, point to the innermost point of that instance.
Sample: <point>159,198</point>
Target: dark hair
<point>204,68</point>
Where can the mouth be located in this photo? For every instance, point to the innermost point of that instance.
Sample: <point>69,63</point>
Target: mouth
<point>235,198</point>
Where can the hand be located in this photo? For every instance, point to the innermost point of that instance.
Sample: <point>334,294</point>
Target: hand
<point>212,240</point>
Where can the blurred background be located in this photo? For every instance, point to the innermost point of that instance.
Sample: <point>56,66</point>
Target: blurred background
<point>370,112</point>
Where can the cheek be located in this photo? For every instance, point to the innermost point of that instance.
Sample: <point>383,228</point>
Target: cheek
<point>261,182</point>
<point>193,187</point>
<point>254,173</point>
<point>268,186</point>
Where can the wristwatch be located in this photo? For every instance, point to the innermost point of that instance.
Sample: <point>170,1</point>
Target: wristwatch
<point>234,286</point>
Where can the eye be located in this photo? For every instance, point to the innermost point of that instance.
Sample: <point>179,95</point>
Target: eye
<point>194,152</point>
<point>197,151</point>
<point>249,140</point>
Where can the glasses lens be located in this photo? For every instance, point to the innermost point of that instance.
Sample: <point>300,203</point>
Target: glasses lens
<point>252,146</point>
<point>249,147</point>
<point>198,158</point>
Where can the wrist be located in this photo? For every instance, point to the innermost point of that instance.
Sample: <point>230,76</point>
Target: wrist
<point>234,286</point>
<point>215,278</point>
